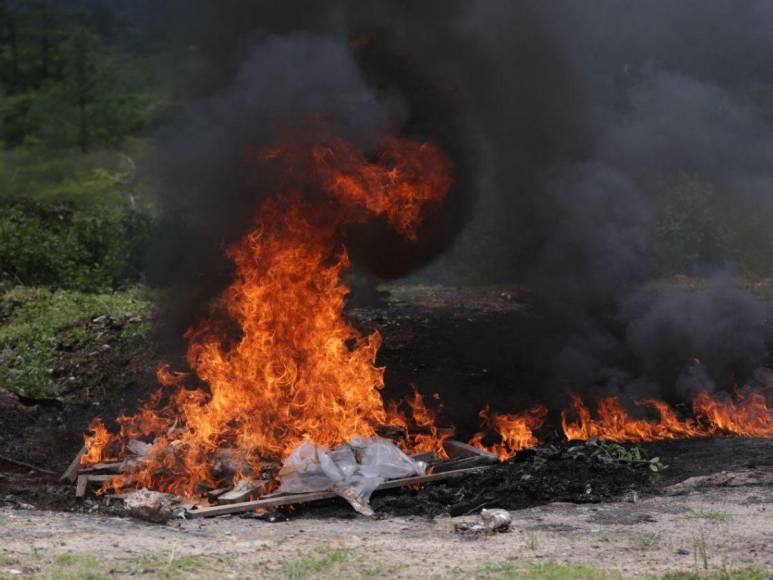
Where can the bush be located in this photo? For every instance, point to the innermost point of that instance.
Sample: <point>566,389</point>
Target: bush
<point>701,229</point>
<point>60,246</point>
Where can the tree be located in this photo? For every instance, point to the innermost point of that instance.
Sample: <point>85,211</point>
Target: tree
<point>82,78</point>
<point>9,29</point>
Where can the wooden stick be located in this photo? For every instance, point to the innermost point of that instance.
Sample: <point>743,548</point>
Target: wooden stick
<point>464,462</point>
<point>71,473</point>
<point>114,467</point>
<point>459,450</point>
<point>85,480</point>
<point>243,490</point>
<point>27,465</point>
<point>287,499</point>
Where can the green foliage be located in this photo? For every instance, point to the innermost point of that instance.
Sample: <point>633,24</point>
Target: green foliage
<point>697,229</point>
<point>607,453</point>
<point>36,324</point>
<point>60,246</point>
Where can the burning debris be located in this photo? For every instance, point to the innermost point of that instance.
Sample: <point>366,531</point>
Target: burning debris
<point>284,398</point>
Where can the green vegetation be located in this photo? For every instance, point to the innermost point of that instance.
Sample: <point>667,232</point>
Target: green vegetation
<point>37,325</point>
<point>75,567</point>
<point>546,571</point>
<point>325,561</point>
<point>77,102</point>
<point>739,574</point>
<point>532,540</point>
<point>698,230</point>
<point>715,515</point>
<point>173,567</point>
<point>646,542</point>
<point>58,245</point>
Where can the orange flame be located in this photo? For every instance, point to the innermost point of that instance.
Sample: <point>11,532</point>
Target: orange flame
<point>421,431</point>
<point>297,370</point>
<point>749,415</point>
<point>515,430</point>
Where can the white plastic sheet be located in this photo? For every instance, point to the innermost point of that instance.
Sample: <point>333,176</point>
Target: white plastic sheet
<point>353,470</point>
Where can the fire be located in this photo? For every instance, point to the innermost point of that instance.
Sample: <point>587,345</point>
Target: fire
<point>277,363</point>
<point>296,370</point>
<point>421,431</point>
<point>516,431</point>
<point>748,415</point>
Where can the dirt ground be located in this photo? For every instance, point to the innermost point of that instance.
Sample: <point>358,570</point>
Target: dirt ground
<point>719,528</point>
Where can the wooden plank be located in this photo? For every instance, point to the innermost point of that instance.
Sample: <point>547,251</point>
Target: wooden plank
<point>71,473</point>
<point>464,462</point>
<point>242,491</point>
<point>18,463</point>
<point>113,467</point>
<point>80,487</point>
<point>426,456</point>
<point>85,480</point>
<point>459,450</point>
<point>287,499</point>
<point>212,495</point>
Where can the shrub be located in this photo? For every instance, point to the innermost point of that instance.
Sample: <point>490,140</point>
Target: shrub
<point>60,246</point>
<point>700,228</point>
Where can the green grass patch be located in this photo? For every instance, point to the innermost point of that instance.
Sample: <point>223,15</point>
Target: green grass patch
<point>38,325</point>
<point>714,515</point>
<point>646,542</point>
<point>546,571</point>
<point>168,567</point>
<point>74,567</point>
<point>325,561</point>
<point>724,574</point>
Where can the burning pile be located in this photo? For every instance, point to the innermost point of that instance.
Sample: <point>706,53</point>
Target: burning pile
<point>297,370</point>
<point>277,365</point>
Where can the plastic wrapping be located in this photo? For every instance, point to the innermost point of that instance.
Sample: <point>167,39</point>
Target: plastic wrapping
<point>353,470</point>
<point>489,522</point>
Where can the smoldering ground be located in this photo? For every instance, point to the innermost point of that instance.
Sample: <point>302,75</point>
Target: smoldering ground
<point>563,122</point>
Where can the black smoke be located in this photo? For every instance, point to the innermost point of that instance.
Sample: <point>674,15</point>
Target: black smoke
<point>563,121</point>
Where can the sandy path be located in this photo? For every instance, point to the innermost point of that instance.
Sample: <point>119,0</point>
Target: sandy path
<point>718,528</point>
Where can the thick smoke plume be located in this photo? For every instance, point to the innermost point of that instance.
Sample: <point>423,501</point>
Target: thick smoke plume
<point>564,120</point>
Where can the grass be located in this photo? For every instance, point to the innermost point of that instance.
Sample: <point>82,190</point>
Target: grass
<point>70,566</point>
<point>325,561</point>
<point>738,574</point>
<point>75,567</point>
<point>578,571</point>
<point>96,180</point>
<point>168,567</point>
<point>38,325</point>
<point>532,540</point>
<point>646,542</point>
<point>546,571</point>
<point>714,515</point>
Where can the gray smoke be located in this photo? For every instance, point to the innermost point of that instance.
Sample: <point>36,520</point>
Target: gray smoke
<point>564,121</point>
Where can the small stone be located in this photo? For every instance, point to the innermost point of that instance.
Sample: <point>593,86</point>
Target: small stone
<point>683,551</point>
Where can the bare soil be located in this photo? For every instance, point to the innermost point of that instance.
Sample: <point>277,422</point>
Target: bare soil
<point>710,529</point>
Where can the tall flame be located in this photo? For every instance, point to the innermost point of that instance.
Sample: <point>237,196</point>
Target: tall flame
<point>297,370</point>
